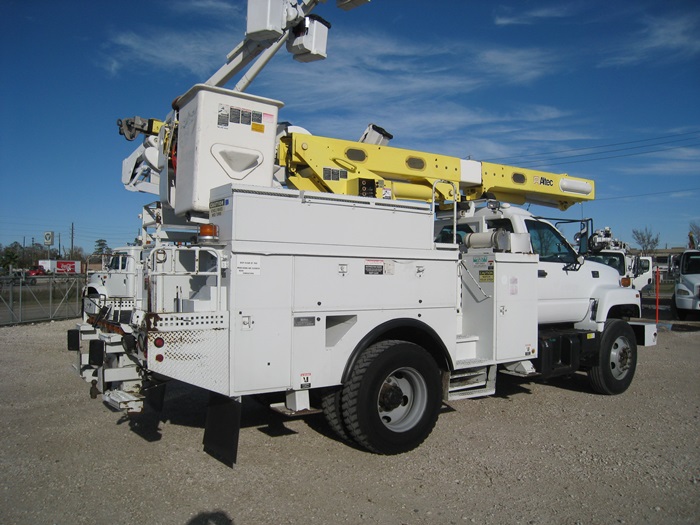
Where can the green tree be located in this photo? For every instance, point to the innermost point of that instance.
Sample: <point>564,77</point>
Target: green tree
<point>101,246</point>
<point>9,257</point>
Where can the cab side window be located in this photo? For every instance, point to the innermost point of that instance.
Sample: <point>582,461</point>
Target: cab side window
<point>445,234</point>
<point>549,244</point>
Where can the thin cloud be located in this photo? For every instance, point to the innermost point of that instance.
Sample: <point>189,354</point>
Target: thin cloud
<point>518,66</point>
<point>534,16</point>
<point>661,40</point>
<point>207,7</point>
<point>199,54</point>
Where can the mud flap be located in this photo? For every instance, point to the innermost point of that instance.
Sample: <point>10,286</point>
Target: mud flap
<point>222,428</point>
<point>74,340</point>
<point>154,392</point>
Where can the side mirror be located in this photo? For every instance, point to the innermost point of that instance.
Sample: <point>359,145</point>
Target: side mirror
<point>581,239</point>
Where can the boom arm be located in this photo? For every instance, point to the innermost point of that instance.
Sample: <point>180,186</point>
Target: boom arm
<point>339,166</point>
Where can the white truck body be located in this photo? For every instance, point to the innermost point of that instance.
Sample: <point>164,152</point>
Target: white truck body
<point>635,271</point>
<point>686,293</point>
<point>346,292</point>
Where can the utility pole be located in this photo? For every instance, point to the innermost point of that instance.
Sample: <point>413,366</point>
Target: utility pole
<point>72,234</point>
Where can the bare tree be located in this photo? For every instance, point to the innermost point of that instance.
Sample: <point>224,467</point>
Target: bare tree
<point>646,239</point>
<point>694,235</point>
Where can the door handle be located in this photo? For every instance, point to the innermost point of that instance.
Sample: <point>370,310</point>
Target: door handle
<point>541,273</point>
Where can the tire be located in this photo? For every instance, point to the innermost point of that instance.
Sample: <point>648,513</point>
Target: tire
<point>677,313</point>
<point>332,411</point>
<point>391,401</point>
<point>617,359</point>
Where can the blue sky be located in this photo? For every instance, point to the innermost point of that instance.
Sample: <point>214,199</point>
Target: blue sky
<point>602,90</point>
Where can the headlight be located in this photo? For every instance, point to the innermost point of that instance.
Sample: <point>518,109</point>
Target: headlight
<point>682,292</point>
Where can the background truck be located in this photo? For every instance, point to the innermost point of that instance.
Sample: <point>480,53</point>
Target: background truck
<point>686,291</point>
<point>61,266</point>
<point>635,270</point>
<point>369,282</point>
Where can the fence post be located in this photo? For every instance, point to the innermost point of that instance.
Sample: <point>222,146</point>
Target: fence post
<point>52,283</point>
<point>20,300</point>
<point>658,285</point>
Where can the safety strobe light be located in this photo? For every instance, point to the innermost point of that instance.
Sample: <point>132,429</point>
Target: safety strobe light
<point>208,232</point>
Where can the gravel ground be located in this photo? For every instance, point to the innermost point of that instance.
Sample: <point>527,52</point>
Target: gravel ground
<point>535,453</point>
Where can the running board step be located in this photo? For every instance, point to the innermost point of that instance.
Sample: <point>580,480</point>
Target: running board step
<point>476,379</point>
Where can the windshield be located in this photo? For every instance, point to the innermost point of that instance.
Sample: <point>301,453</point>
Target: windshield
<point>614,260</point>
<point>691,263</point>
<point>117,262</point>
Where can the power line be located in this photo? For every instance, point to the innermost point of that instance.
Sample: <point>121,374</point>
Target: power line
<point>598,147</point>
<point>615,150</point>
<point>643,194</point>
<point>611,157</point>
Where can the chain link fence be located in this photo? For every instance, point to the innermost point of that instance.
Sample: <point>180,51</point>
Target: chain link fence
<point>42,298</point>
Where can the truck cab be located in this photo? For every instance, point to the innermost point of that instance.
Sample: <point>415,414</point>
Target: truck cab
<point>686,293</point>
<point>635,271</point>
<point>571,289</point>
<point>117,288</point>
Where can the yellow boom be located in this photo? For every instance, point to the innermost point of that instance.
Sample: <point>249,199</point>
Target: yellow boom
<point>354,168</point>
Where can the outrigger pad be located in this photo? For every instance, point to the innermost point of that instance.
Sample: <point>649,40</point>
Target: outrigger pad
<point>74,340</point>
<point>96,353</point>
<point>222,428</point>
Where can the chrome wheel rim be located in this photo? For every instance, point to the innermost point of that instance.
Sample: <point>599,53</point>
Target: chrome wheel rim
<point>402,399</point>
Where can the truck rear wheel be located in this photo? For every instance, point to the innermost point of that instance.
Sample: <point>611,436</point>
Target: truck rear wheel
<point>392,399</point>
<point>617,359</point>
<point>332,411</point>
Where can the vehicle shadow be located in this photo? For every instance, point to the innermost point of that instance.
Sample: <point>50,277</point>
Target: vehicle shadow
<point>216,517</point>
<point>186,405</point>
<point>508,385</point>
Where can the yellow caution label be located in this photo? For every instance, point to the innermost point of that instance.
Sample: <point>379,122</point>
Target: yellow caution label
<point>154,126</point>
<point>485,276</point>
<point>259,128</point>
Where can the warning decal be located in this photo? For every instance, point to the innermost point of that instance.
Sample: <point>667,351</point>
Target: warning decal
<point>248,265</point>
<point>374,267</point>
<point>222,116</point>
<point>485,276</point>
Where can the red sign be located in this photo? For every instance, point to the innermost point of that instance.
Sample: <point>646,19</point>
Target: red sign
<point>65,266</point>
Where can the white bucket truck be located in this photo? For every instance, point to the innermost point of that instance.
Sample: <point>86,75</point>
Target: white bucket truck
<point>370,282</point>
<point>686,291</point>
<point>635,270</point>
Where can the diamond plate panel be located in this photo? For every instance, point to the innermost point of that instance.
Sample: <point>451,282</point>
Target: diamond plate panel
<point>195,349</point>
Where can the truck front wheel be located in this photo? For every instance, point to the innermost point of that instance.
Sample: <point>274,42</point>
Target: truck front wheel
<point>391,401</point>
<point>678,313</point>
<point>617,359</point>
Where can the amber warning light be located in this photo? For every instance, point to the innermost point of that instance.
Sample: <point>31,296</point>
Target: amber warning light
<point>208,232</point>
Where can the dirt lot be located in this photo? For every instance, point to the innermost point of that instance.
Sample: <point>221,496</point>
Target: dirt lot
<point>535,453</point>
